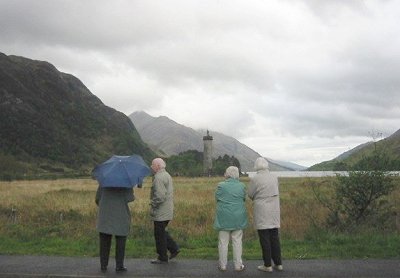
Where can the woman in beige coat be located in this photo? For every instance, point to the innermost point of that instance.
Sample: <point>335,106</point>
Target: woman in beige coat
<point>264,191</point>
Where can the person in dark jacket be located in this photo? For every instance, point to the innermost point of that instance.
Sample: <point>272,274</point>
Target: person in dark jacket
<point>114,218</point>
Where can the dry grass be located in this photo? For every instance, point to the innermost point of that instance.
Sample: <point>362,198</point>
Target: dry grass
<point>43,202</point>
<point>65,209</point>
<point>59,217</point>
<point>57,195</point>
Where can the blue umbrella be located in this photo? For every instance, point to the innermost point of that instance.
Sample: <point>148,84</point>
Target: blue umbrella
<point>121,171</point>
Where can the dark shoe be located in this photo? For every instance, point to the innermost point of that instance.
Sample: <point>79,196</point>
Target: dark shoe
<point>103,269</point>
<point>157,261</point>
<point>121,269</point>
<point>173,255</point>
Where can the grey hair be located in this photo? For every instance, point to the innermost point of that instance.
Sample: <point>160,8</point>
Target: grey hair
<point>261,164</point>
<point>232,172</point>
<point>159,162</point>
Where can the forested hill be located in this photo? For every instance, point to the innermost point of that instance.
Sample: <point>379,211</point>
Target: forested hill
<point>51,122</point>
<point>389,146</point>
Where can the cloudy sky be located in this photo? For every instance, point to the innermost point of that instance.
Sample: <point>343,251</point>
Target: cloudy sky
<point>300,81</point>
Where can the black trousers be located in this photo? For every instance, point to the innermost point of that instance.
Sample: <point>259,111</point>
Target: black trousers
<point>270,246</point>
<point>164,241</point>
<point>105,246</point>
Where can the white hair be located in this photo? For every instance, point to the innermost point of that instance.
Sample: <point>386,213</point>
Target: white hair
<point>159,162</point>
<point>261,164</point>
<point>232,172</point>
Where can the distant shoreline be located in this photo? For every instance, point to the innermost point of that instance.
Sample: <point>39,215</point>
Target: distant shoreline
<point>311,174</point>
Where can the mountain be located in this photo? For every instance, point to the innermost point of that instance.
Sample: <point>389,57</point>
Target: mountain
<point>51,121</point>
<point>288,165</point>
<point>168,137</point>
<point>348,153</point>
<point>390,145</point>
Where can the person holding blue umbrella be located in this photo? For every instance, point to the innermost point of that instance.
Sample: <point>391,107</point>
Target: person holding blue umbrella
<point>114,218</point>
<point>117,176</point>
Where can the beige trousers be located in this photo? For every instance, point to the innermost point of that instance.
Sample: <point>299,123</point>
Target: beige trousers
<point>223,242</point>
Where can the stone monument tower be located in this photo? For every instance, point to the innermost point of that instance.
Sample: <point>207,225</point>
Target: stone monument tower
<point>207,153</point>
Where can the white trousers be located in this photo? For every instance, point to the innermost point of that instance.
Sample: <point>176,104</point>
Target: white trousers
<point>223,242</point>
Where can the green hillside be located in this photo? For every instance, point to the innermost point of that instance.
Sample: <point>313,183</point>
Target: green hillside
<point>51,123</point>
<point>390,146</point>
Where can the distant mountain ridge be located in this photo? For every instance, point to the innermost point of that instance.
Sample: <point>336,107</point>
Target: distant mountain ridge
<point>289,165</point>
<point>50,118</point>
<point>171,138</point>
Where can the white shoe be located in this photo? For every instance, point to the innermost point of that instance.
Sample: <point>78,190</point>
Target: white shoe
<point>241,268</point>
<point>222,268</point>
<point>278,267</point>
<point>264,268</point>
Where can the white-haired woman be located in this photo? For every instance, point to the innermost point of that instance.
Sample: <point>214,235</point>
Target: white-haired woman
<point>230,217</point>
<point>264,191</point>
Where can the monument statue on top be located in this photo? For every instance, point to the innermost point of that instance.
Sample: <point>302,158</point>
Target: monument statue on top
<point>207,154</point>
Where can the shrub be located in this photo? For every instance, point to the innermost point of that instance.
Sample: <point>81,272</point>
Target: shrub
<point>358,197</point>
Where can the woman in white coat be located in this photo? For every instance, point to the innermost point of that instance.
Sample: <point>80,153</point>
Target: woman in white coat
<point>264,191</point>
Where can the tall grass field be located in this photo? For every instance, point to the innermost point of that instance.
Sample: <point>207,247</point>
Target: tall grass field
<point>58,217</point>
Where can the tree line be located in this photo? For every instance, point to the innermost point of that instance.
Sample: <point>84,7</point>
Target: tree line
<point>190,164</point>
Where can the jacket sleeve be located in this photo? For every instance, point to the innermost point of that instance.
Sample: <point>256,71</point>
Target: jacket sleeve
<point>98,195</point>
<point>251,191</point>
<point>218,193</point>
<point>159,193</point>
<point>130,197</point>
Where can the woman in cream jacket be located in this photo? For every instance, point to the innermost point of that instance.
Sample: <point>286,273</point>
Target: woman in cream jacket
<point>264,191</point>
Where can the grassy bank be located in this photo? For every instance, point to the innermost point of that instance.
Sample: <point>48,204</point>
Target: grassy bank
<point>58,217</point>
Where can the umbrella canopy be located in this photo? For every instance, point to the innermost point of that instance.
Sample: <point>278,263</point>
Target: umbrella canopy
<point>121,171</point>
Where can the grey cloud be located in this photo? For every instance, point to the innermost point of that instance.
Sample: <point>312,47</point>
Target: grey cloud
<point>309,69</point>
<point>190,62</point>
<point>328,9</point>
<point>89,24</point>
